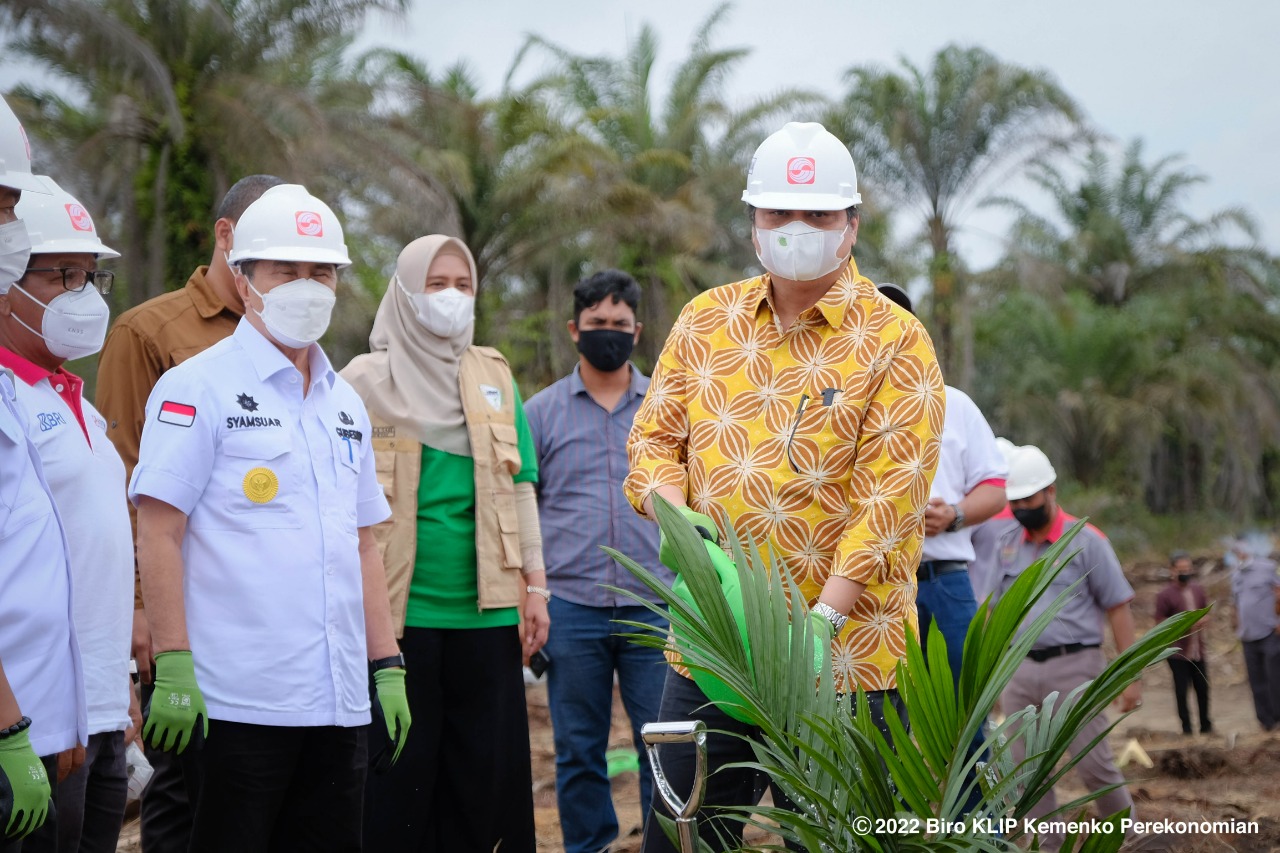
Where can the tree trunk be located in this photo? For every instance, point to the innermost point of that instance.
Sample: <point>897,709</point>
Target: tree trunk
<point>942,276</point>
<point>158,252</point>
<point>134,252</point>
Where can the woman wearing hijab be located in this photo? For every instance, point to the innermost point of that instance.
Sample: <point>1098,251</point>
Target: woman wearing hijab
<point>463,556</point>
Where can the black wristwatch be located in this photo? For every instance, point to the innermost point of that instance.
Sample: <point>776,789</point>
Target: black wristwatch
<point>388,663</point>
<point>958,523</point>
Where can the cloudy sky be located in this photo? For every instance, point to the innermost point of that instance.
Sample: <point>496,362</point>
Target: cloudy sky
<point>1196,79</point>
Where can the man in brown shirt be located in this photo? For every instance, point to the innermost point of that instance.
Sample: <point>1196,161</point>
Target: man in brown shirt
<point>146,341</point>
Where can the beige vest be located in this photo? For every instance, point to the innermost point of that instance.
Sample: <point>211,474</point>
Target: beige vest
<point>484,379</point>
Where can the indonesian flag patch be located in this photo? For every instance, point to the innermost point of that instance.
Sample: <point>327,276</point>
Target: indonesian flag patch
<point>178,414</point>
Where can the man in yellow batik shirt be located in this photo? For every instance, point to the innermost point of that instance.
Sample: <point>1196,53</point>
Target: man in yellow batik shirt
<point>805,408</point>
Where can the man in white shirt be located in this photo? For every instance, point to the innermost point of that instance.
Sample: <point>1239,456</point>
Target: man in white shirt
<point>256,496</point>
<point>42,707</point>
<point>57,313</point>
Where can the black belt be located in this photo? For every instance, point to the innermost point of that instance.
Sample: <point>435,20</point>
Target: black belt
<point>931,569</point>
<point>1042,655</point>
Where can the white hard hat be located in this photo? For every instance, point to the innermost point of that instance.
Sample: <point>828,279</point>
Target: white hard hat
<point>1029,472</point>
<point>1006,450</point>
<point>802,167</point>
<point>15,154</point>
<point>287,223</point>
<point>58,223</point>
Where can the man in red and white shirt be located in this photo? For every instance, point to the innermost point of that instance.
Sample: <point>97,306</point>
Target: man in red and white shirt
<point>56,313</point>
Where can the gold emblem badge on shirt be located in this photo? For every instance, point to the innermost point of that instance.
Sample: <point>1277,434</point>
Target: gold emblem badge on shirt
<point>261,485</point>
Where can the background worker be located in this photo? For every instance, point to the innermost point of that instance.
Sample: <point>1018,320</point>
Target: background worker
<point>43,723</point>
<point>1069,652</point>
<point>803,408</point>
<point>1189,663</point>
<point>1256,590</point>
<point>63,317</point>
<point>463,553</point>
<point>267,599</point>
<point>580,426</point>
<point>144,342</point>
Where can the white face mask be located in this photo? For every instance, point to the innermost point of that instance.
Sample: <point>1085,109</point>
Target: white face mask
<point>15,250</point>
<point>799,252</point>
<point>446,313</point>
<point>74,324</point>
<point>296,314</point>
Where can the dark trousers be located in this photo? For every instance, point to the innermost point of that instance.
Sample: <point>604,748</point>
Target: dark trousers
<point>1262,662</point>
<point>1195,674</point>
<point>277,788</point>
<point>464,781</point>
<point>948,600</point>
<point>91,801</point>
<point>166,810</point>
<point>44,839</point>
<point>726,787</point>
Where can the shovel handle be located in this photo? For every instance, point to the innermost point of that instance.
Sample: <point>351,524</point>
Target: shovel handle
<point>695,732</point>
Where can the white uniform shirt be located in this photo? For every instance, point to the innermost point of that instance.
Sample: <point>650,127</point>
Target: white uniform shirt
<point>86,477</point>
<point>37,641</point>
<point>274,487</point>
<point>969,457</point>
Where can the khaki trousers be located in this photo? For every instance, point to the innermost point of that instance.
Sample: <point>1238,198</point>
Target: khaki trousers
<point>1030,685</point>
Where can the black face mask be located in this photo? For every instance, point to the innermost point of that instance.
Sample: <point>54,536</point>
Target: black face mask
<point>1184,579</point>
<point>1034,518</point>
<point>606,349</point>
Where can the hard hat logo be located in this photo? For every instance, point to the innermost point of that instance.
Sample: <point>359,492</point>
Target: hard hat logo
<point>801,170</point>
<point>309,224</point>
<point>79,218</point>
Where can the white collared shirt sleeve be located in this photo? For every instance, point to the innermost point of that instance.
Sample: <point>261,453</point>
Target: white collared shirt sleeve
<point>175,459</point>
<point>371,501</point>
<point>982,457</point>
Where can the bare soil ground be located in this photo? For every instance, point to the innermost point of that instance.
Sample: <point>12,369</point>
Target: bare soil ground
<point>1231,775</point>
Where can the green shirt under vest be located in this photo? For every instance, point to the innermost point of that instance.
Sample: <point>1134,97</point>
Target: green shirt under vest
<point>443,593</point>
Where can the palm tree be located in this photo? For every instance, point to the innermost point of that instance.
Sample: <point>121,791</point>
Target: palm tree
<point>1134,341</point>
<point>663,196</point>
<point>1124,229</point>
<point>505,175</point>
<point>935,139</point>
<point>173,100</point>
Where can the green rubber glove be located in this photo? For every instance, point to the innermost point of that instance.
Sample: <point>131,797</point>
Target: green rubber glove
<point>823,634</point>
<point>24,787</point>
<point>705,526</point>
<point>177,706</point>
<point>395,706</point>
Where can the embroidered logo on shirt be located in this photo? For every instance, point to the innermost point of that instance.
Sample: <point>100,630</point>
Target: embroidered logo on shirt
<point>348,436</point>
<point>261,485</point>
<point>493,396</point>
<point>242,422</point>
<point>247,403</point>
<point>178,414</point>
<point>49,420</point>
<point>384,432</point>
<point>345,418</point>
<point>800,170</point>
